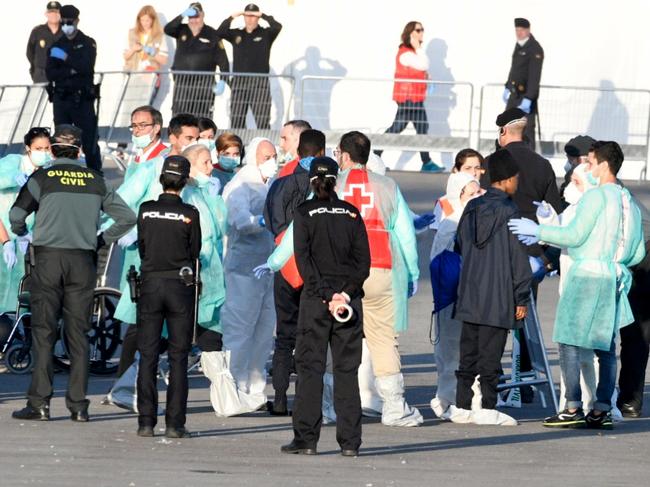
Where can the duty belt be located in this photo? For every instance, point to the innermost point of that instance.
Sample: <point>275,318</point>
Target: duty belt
<point>184,274</point>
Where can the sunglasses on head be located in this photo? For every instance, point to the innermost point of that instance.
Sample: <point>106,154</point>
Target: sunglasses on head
<point>39,132</point>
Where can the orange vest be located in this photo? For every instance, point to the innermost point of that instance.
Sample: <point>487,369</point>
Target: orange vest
<point>290,269</point>
<point>358,192</point>
<point>288,168</point>
<point>405,91</point>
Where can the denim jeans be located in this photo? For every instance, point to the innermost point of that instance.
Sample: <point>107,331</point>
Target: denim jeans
<point>570,367</point>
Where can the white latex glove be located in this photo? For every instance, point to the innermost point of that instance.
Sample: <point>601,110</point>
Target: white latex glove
<point>128,239</point>
<point>412,289</point>
<point>262,270</point>
<point>23,242</point>
<point>9,254</point>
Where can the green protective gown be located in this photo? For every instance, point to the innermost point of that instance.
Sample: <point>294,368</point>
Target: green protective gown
<point>604,239</point>
<point>142,185</point>
<point>213,213</point>
<point>10,167</point>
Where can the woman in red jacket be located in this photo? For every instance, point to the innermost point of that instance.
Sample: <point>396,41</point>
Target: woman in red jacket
<point>411,62</point>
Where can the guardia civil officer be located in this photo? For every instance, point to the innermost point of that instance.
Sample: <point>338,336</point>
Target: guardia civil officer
<point>41,39</point>
<point>70,70</point>
<point>333,257</point>
<point>169,242</point>
<point>68,199</point>
<point>522,88</point>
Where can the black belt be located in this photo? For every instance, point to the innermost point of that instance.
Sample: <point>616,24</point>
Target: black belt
<point>162,274</point>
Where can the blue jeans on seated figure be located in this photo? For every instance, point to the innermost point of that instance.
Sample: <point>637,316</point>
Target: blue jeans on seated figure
<point>570,367</point>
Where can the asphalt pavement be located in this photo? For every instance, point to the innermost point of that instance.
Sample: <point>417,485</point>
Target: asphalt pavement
<point>245,450</point>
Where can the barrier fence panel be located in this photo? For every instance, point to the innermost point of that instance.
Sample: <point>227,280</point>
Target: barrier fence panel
<point>605,113</point>
<point>20,107</point>
<point>442,122</point>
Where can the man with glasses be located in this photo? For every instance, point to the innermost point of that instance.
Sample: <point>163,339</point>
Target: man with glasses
<point>146,126</point>
<point>70,70</point>
<point>40,41</point>
<point>251,47</point>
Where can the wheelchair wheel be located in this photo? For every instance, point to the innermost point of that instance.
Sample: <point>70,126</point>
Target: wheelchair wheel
<point>104,337</point>
<point>18,359</point>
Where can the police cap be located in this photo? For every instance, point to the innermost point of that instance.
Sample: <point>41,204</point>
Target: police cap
<point>324,167</point>
<point>510,116</point>
<point>197,6</point>
<point>176,165</point>
<point>66,134</point>
<point>69,12</point>
<point>251,7</point>
<point>521,22</point>
<point>53,6</point>
<point>579,146</point>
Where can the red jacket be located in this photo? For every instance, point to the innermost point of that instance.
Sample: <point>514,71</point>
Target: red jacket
<point>289,167</point>
<point>404,91</point>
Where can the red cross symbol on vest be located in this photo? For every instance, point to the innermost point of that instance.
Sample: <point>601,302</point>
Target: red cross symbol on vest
<point>365,200</point>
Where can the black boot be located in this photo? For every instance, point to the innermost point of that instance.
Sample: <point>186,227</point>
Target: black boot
<point>30,413</point>
<point>295,449</point>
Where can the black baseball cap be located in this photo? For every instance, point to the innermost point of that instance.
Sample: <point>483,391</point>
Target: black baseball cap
<point>53,6</point>
<point>69,12</point>
<point>176,165</point>
<point>67,134</point>
<point>579,146</point>
<point>325,167</point>
<point>251,7</point>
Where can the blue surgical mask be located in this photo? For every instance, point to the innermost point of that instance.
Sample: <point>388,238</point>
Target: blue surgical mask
<point>201,179</point>
<point>209,143</point>
<point>141,141</point>
<point>68,30</point>
<point>229,163</point>
<point>39,158</point>
<point>306,162</point>
<point>593,180</point>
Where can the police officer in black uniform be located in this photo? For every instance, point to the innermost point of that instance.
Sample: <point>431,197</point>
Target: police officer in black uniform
<point>40,41</point>
<point>522,88</point>
<point>333,257</point>
<point>251,48</point>
<point>70,70</point>
<point>68,199</point>
<point>169,242</point>
<point>198,48</point>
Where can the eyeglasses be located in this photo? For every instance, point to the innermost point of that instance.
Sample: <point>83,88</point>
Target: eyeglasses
<point>140,126</point>
<point>421,29</point>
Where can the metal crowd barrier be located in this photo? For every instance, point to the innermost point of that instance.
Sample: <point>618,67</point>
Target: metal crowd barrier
<point>338,104</point>
<point>21,107</point>
<point>604,112</point>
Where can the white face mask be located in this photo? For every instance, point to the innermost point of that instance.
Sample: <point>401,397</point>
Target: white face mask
<point>68,30</point>
<point>39,158</point>
<point>141,141</point>
<point>209,143</point>
<point>568,166</point>
<point>269,168</point>
<point>572,194</point>
<point>183,147</point>
<point>201,179</point>
<point>285,157</point>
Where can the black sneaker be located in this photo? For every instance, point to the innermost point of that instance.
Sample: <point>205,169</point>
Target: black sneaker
<point>601,422</point>
<point>565,419</point>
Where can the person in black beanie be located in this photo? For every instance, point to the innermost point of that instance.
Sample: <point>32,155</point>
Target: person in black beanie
<point>494,290</point>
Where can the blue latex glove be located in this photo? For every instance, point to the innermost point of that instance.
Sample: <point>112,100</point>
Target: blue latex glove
<point>423,221</point>
<point>214,186</point>
<point>544,210</point>
<point>431,89</point>
<point>58,53</point>
<point>537,267</point>
<point>261,221</point>
<point>21,179</point>
<point>412,288</point>
<point>23,242</point>
<point>149,50</point>
<point>506,95</point>
<point>528,239</point>
<point>261,271</point>
<point>189,12</point>
<point>219,87</point>
<point>525,105</point>
<point>523,226</point>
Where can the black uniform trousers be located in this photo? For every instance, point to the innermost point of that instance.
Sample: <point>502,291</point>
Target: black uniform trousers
<point>316,329</point>
<point>79,110</point>
<point>193,94</point>
<point>414,112</point>
<point>62,285</point>
<point>253,92</point>
<point>172,301</point>
<point>635,340</point>
<point>481,349</point>
<point>513,102</point>
<point>287,305</point>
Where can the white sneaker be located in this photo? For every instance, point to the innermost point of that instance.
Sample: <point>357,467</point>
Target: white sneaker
<point>492,417</point>
<point>458,415</point>
<point>437,407</point>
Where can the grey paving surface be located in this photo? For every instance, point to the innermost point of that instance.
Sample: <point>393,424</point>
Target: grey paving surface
<point>245,450</point>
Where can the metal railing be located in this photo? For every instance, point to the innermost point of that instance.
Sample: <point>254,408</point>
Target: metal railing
<point>21,107</point>
<point>338,104</point>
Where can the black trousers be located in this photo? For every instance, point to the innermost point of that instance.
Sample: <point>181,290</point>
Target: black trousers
<point>130,346</point>
<point>635,340</point>
<point>410,112</point>
<point>287,305</point>
<point>164,300</point>
<point>253,92</point>
<point>316,329</point>
<point>62,285</point>
<point>193,94</point>
<point>481,349</point>
<point>80,112</point>
<point>529,133</point>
